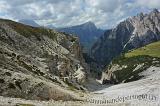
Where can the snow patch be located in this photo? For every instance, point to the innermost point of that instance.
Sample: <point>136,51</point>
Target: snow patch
<point>138,67</point>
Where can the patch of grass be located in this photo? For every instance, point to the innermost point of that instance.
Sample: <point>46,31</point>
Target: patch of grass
<point>70,85</point>
<point>145,55</point>
<point>18,84</point>
<point>11,85</point>
<point>8,73</point>
<point>2,81</point>
<point>26,66</point>
<point>127,74</point>
<point>24,105</point>
<point>29,31</point>
<point>31,68</point>
<point>152,50</point>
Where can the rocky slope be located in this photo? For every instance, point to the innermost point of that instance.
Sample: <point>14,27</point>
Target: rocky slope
<point>128,66</point>
<point>144,92</point>
<point>39,63</point>
<point>87,32</point>
<point>132,33</point>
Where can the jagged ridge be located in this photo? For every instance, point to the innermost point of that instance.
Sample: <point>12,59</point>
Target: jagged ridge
<point>132,33</point>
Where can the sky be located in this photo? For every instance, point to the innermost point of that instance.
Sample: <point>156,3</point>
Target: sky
<point>61,13</point>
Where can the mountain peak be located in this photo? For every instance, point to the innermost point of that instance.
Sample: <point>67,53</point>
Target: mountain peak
<point>89,22</point>
<point>132,33</point>
<point>89,25</point>
<point>140,15</point>
<point>87,32</point>
<point>155,11</point>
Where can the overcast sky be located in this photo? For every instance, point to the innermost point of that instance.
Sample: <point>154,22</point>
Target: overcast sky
<point>104,13</point>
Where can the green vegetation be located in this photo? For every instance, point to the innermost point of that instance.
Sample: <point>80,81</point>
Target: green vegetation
<point>70,85</point>
<point>29,31</point>
<point>2,81</point>
<point>146,56</point>
<point>11,85</point>
<point>152,50</point>
<point>24,105</point>
<point>127,74</point>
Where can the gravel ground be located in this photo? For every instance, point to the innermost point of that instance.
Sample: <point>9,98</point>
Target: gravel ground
<point>149,85</point>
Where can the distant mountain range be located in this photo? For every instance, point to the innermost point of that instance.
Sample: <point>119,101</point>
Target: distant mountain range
<point>29,22</point>
<point>88,33</point>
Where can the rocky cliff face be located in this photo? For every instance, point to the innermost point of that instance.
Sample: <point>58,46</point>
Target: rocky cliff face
<point>35,63</point>
<point>132,33</point>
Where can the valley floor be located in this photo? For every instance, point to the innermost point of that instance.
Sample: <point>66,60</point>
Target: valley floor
<point>144,92</point>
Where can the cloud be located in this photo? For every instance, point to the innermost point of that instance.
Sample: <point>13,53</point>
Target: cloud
<point>3,10</point>
<point>148,3</point>
<point>60,13</point>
